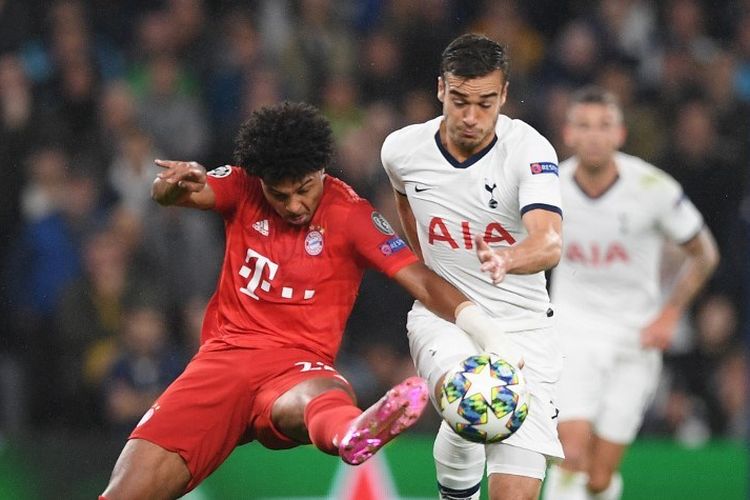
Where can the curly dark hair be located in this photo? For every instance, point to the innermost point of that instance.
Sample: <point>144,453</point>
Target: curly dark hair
<point>284,142</point>
<point>472,55</point>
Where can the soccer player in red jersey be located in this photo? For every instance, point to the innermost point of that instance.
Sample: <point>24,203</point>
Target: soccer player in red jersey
<point>297,244</point>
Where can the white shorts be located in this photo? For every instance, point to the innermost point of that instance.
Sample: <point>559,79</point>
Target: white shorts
<point>437,345</point>
<point>605,382</point>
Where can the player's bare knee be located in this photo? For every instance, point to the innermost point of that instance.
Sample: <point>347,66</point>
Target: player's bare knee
<point>599,479</point>
<point>288,411</point>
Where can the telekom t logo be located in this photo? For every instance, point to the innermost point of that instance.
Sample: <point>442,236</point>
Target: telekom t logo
<point>255,266</point>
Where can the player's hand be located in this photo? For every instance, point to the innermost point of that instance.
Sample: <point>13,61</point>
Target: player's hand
<point>189,176</point>
<point>493,263</point>
<point>660,332</point>
<point>485,333</point>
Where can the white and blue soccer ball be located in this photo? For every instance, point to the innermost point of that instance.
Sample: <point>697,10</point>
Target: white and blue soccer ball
<point>484,398</point>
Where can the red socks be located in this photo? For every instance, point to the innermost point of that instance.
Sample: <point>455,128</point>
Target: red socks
<point>327,417</point>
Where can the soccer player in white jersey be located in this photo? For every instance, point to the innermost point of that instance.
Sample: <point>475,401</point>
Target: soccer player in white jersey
<point>619,211</point>
<point>470,183</point>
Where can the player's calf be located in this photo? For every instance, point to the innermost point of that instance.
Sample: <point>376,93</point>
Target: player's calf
<point>398,410</point>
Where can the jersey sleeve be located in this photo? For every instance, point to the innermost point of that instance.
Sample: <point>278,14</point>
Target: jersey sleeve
<point>539,177</point>
<point>375,242</point>
<point>388,158</point>
<point>678,218</point>
<point>230,185</point>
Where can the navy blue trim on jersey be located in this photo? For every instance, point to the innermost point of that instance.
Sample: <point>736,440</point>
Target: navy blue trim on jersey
<point>541,206</point>
<point>471,160</point>
<point>606,190</point>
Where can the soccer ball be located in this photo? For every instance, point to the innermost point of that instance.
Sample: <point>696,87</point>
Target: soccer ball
<point>484,398</point>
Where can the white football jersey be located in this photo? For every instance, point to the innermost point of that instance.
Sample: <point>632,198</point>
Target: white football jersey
<point>609,271</point>
<point>487,194</point>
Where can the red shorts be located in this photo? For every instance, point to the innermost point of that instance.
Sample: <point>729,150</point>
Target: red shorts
<point>224,399</point>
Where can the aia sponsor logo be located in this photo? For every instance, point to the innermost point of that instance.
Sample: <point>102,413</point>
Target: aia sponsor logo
<point>596,255</point>
<point>438,233</point>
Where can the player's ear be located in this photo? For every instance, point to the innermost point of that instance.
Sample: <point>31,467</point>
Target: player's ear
<point>622,135</point>
<point>441,89</point>
<point>504,94</point>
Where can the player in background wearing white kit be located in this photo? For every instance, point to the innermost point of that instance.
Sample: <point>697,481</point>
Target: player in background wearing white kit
<point>470,183</point>
<point>619,210</point>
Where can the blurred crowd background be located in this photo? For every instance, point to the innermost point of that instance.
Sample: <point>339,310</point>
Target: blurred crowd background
<point>102,290</point>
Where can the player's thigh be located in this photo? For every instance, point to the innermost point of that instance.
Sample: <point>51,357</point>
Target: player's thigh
<point>627,393</point>
<point>436,345</point>
<point>146,470</point>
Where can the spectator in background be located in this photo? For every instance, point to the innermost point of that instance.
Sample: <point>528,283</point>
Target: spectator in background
<point>185,248</point>
<point>170,112</point>
<point>320,45</point>
<point>89,317</point>
<point>132,171</point>
<point>698,379</point>
<point>144,363</point>
<point>116,116</point>
<point>698,159</point>
<point>380,67</point>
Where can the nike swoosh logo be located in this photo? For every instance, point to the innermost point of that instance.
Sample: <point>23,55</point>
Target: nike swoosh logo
<point>418,189</point>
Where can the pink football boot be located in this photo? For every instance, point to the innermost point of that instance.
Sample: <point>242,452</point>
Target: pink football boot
<point>398,410</point>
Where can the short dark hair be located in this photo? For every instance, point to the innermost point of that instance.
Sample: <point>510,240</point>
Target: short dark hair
<point>593,94</point>
<point>284,142</point>
<point>472,55</point>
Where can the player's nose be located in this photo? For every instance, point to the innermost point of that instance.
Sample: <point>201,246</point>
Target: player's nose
<point>470,116</point>
<point>295,206</point>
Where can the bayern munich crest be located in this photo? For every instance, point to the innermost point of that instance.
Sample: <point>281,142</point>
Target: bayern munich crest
<point>314,243</point>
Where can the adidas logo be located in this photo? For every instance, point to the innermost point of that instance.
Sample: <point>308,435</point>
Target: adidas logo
<point>262,227</point>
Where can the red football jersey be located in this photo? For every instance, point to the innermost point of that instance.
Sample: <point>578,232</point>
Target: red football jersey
<point>284,285</point>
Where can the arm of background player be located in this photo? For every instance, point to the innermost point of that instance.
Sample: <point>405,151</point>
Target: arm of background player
<point>539,251</point>
<point>184,184</point>
<point>408,222</point>
<point>702,259</point>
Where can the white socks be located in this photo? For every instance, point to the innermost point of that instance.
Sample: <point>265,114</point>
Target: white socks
<point>459,465</point>
<point>562,484</point>
<point>613,491</point>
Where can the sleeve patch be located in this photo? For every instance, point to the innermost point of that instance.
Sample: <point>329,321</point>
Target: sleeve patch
<point>392,246</point>
<point>381,224</point>
<point>543,167</point>
<point>220,172</point>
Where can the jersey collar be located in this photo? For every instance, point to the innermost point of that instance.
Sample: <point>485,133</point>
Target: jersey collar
<point>471,160</point>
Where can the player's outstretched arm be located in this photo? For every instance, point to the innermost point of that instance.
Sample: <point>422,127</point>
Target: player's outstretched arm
<point>182,183</point>
<point>539,251</point>
<point>702,259</point>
